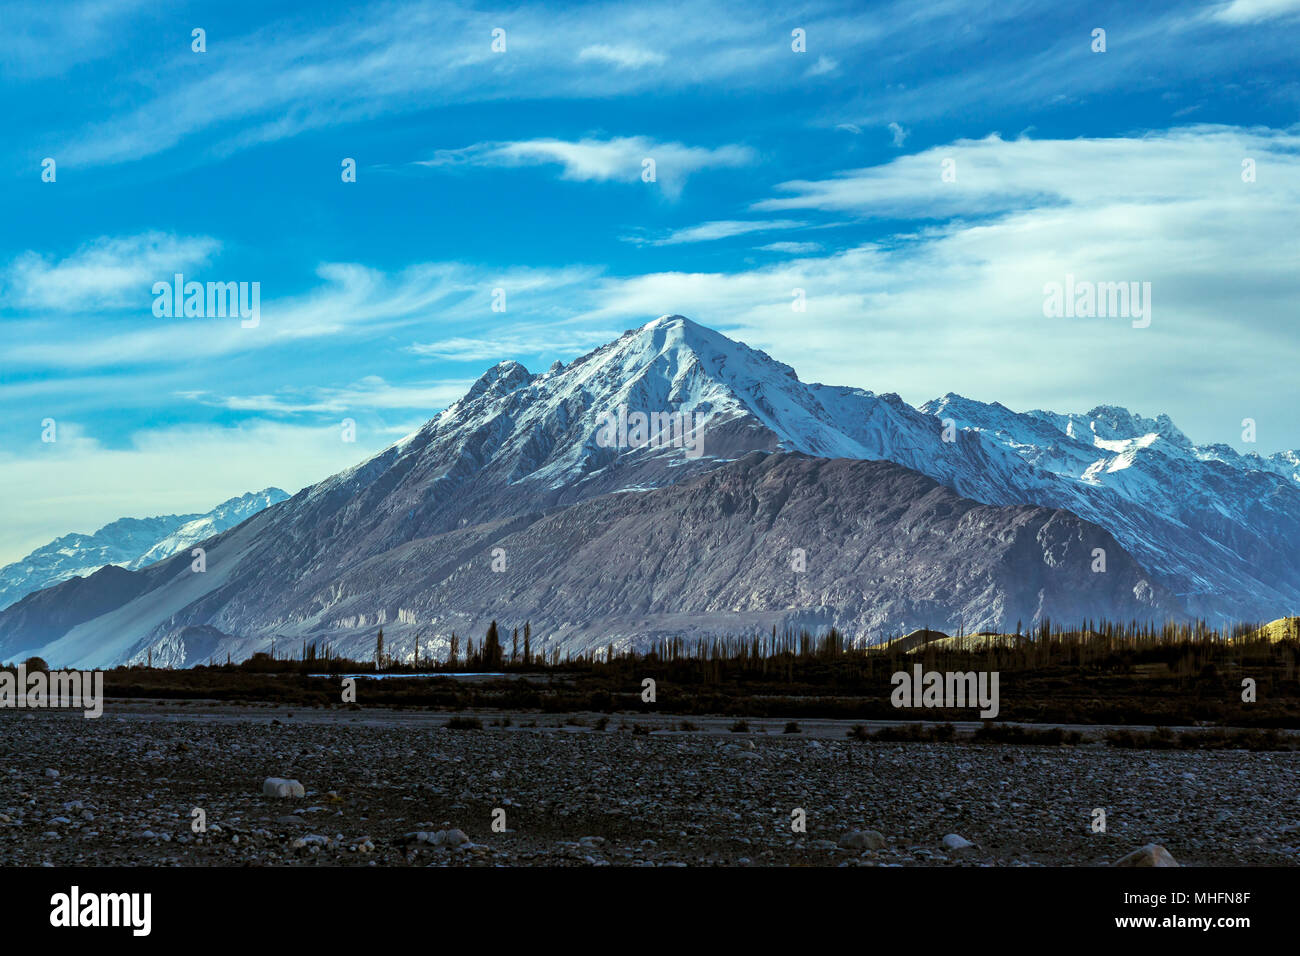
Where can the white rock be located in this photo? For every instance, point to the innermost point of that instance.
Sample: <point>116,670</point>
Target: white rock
<point>1153,854</point>
<point>280,787</point>
<point>957,844</point>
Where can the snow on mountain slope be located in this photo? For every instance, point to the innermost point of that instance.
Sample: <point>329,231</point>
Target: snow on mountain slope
<point>1222,539</point>
<point>1283,463</point>
<point>1082,439</point>
<point>225,515</point>
<point>1207,517</point>
<point>540,431</point>
<point>128,542</point>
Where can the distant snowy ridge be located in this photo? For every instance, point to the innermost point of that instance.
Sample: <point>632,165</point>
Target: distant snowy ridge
<point>128,542</point>
<point>1106,439</point>
<point>225,515</point>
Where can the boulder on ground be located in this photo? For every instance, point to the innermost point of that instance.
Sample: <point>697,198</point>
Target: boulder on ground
<point>439,838</point>
<point>280,787</point>
<point>862,840</point>
<point>1153,854</point>
<point>957,845</point>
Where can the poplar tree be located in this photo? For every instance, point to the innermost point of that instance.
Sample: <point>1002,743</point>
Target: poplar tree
<point>492,648</point>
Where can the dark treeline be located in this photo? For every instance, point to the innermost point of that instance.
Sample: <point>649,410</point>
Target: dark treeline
<point>1098,673</point>
<point>1180,650</point>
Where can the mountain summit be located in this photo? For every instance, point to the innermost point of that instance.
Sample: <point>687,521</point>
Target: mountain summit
<point>500,507</point>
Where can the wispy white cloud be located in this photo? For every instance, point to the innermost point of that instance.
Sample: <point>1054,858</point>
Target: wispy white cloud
<point>369,393</point>
<point>824,66</point>
<point>296,75</point>
<point>352,302</point>
<point>717,229</point>
<point>994,175</point>
<point>1256,11</point>
<point>1156,47</point>
<point>792,248</point>
<point>516,343</point>
<point>623,57</point>
<point>107,272</point>
<point>625,159</point>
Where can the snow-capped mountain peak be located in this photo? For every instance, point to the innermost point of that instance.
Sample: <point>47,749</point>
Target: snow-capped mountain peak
<point>1140,478</point>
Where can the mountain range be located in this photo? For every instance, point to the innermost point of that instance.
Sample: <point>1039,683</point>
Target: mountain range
<point>807,506</point>
<point>128,542</point>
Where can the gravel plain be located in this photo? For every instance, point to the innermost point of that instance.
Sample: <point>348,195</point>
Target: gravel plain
<point>399,788</point>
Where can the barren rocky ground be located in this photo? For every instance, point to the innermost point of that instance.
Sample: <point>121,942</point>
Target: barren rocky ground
<point>391,788</point>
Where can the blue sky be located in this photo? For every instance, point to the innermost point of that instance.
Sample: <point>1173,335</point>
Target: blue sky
<point>522,170</point>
